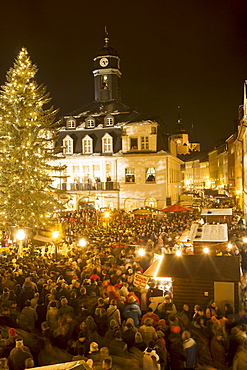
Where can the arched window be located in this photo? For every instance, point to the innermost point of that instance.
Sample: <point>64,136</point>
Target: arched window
<point>107,144</point>
<point>150,174</point>
<point>87,145</point>
<point>67,145</point>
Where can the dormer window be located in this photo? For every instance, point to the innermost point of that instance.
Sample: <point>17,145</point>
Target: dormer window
<point>109,120</point>
<point>71,123</point>
<point>87,145</point>
<point>67,145</point>
<point>90,122</point>
<point>107,144</point>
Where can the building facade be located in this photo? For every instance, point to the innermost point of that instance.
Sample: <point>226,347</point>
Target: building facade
<point>113,156</point>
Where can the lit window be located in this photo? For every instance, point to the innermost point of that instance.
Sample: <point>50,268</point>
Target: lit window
<point>129,174</point>
<point>133,143</point>
<point>87,145</point>
<point>90,122</point>
<point>104,82</point>
<point>107,144</point>
<point>70,123</point>
<point>109,121</point>
<point>150,174</point>
<point>68,145</point>
<point>144,143</point>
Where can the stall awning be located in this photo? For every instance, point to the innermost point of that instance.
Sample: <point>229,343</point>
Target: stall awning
<point>42,238</point>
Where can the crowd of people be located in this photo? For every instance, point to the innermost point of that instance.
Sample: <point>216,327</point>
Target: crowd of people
<point>84,306</point>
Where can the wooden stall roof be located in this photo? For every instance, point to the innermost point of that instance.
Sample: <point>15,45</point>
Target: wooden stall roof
<point>201,267</point>
<point>216,212</point>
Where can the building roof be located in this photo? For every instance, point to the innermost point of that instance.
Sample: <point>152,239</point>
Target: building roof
<point>200,267</point>
<point>208,233</point>
<point>193,156</point>
<point>192,136</point>
<point>216,212</point>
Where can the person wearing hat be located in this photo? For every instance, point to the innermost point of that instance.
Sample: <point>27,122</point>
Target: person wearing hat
<point>151,315</point>
<point>166,308</point>
<point>147,331</point>
<point>31,315</point>
<point>113,312</point>
<point>94,352</point>
<point>132,310</point>
<point>18,355</point>
<point>65,309</point>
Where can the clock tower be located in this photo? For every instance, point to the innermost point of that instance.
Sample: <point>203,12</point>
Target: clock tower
<point>107,74</point>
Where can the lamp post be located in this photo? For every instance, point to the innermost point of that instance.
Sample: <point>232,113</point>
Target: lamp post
<point>55,235</point>
<point>107,215</point>
<point>20,235</point>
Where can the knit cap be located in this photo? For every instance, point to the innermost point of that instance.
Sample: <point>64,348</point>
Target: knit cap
<point>12,332</point>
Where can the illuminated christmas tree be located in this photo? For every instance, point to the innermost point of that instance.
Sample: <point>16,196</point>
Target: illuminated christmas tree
<point>27,149</point>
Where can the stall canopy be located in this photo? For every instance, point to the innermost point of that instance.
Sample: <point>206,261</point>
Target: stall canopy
<point>144,210</point>
<point>201,267</point>
<point>176,208</point>
<point>42,238</point>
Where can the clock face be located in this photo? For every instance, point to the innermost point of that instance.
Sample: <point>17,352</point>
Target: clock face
<point>103,62</point>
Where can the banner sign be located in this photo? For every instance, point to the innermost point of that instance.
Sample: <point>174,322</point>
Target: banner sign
<point>140,280</point>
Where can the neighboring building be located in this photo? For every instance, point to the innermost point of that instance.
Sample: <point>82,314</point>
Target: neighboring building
<point>231,165</point>
<point>194,144</point>
<point>195,171</point>
<point>180,136</point>
<point>241,173</point>
<point>114,156</point>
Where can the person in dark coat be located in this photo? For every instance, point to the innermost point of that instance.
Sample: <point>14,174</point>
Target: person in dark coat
<point>129,335</point>
<point>117,345</point>
<point>176,352</point>
<point>139,343</point>
<point>18,355</point>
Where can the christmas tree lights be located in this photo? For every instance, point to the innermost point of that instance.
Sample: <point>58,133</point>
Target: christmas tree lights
<point>28,134</point>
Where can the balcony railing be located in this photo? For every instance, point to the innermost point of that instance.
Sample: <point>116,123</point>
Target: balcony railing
<point>85,186</point>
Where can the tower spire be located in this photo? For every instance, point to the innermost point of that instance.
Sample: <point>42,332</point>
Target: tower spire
<point>106,37</point>
<point>179,117</point>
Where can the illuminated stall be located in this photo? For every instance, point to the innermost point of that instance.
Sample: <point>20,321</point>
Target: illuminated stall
<point>196,279</point>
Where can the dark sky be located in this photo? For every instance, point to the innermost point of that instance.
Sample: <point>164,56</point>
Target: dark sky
<point>187,52</point>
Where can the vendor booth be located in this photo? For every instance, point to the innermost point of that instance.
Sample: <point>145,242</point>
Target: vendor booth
<point>196,279</point>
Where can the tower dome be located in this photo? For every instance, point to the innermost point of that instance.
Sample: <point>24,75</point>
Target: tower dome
<point>107,73</point>
<point>106,50</point>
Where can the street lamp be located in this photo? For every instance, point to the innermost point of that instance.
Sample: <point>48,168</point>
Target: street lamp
<point>141,252</point>
<point>82,242</point>
<point>107,215</point>
<point>20,235</point>
<point>55,235</point>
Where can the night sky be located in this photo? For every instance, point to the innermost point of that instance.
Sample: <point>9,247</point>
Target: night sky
<point>187,52</point>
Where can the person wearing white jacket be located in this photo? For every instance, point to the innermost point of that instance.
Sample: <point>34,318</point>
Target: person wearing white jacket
<point>113,312</point>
